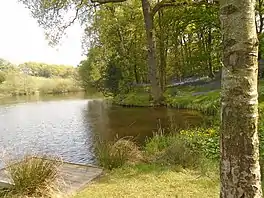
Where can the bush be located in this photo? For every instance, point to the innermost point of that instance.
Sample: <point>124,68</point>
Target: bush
<point>115,154</point>
<point>33,176</point>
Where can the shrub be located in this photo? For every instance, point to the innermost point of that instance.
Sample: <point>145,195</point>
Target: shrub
<point>112,155</point>
<point>33,176</point>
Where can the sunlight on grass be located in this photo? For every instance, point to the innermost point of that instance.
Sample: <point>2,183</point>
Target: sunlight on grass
<point>146,181</point>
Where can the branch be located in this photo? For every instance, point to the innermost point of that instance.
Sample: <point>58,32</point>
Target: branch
<point>76,15</point>
<point>173,3</point>
<point>107,1</point>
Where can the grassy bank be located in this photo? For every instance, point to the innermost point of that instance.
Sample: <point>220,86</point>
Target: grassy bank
<point>20,84</point>
<point>172,165</point>
<point>203,98</point>
<point>152,181</point>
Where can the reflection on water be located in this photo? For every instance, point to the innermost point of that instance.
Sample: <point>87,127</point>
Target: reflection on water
<point>111,121</point>
<point>65,126</point>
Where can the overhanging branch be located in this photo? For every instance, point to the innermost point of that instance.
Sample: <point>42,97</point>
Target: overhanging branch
<point>107,1</point>
<point>173,3</point>
<point>76,15</point>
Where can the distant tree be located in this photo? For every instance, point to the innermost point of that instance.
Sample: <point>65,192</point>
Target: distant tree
<point>6,65</point>
<point>2,77</point>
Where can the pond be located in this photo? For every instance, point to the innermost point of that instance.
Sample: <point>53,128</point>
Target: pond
<point>66,125</point>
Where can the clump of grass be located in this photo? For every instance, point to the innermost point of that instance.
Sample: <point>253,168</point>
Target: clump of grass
<point>112,155</point>
<point>33,177</point>
<point>181,153</point>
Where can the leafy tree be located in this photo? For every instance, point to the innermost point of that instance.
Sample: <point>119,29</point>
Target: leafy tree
<point>51,15</point>
<point>6,65</point>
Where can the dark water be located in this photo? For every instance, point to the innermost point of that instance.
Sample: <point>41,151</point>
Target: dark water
<point>66,125</point>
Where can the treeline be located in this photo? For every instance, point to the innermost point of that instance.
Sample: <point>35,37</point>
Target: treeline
<point>30,77</point>
<point>47,70</point>
<point>178,42</point>
<point>39,69</point>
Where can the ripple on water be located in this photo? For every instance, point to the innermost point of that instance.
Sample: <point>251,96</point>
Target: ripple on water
<point>54,128</point>
<point>66,127</point>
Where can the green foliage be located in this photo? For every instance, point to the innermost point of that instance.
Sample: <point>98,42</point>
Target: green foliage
<point>182,154</point>
<point>185,47</point>
<point>33,176</point>
<point>208,102</point>
<point>2,77</point>
<point>90,70</point>
<point>112,77</point>
<point>188,149</point>
<point>204,139</point>
<point>6,65</point>
<point>47,70</point>
<point>20,84</point>
<point>111,155</point>
<point>131,99</point>
<point>159,142</point>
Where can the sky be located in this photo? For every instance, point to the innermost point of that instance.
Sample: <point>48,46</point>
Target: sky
<point>22,40</point>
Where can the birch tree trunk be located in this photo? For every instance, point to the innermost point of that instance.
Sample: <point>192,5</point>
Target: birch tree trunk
<point>240,170</point>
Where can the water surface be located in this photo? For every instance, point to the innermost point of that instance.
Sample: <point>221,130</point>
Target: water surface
<point>66,125</point>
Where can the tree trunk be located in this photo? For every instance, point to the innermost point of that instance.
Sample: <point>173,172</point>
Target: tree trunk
<point>136,74</point>
<point>209,50</point>
<point>162,53</point>
<point>152,63</point>
<point>240,170</point>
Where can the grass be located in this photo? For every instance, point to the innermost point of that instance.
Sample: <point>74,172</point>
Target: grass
<point>135,98</point>
<point>32,177</point>
<point>205,99</point>
<point>173,165</point>
<point>148,180</point>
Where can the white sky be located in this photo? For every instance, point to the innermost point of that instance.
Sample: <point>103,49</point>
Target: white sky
<point>21,39</point>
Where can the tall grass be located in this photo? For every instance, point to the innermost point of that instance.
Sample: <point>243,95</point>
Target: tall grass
<point>115,154</point>
<point>33,177</point>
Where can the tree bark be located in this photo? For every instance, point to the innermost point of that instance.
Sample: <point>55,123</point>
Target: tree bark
<point>152,62</point>
<point>209,50</point>
<point>240,170</point>
<point>162,53</point>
